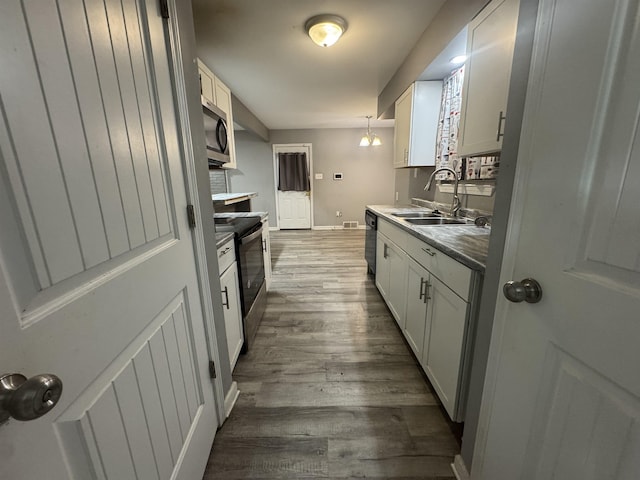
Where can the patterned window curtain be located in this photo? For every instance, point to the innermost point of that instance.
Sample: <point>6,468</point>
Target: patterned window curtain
<point>449,124</point>
<point>293,172</point>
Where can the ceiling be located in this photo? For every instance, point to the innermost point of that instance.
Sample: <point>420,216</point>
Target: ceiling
<point>260,50</point>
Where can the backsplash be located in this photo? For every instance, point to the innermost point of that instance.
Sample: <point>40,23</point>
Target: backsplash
<point>218,180</point>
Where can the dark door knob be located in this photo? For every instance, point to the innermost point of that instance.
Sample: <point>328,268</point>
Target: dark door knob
<point>27,399</point>
<point>528,290</point>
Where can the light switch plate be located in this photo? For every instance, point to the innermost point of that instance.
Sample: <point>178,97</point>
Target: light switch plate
<point>319,176</point>
<point>337,176</point>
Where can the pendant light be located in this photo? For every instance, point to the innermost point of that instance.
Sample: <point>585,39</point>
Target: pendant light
<point>370,139</point>
<point>325,30</point>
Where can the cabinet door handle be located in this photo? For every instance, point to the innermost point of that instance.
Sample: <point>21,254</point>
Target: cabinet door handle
<point>428,251</point>
<point>264,245</point>
<point>426,292</point>
<point>423,292</point>
<point>224,252</point>
<point>200,78</point>
<point>501,118</point>
<point>225,303</point>
<point>384,252</point>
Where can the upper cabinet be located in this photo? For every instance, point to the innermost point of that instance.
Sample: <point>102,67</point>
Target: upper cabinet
<point>490,43</point>
<point>223,102</point>
<point>206,82</point>
<point>417,112</point>
<point>214,90</point>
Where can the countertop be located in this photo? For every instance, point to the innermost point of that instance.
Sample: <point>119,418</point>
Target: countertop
<point>468,244</point>
<point>230,198</point>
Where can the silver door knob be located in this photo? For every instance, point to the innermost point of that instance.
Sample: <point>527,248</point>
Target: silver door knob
<point>528,290</point>
<point>27,399</point>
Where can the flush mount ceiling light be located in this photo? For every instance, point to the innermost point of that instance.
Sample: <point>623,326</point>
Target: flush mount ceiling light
<point>370,139</point>
<point>325,30</point>
<point>458,59</point>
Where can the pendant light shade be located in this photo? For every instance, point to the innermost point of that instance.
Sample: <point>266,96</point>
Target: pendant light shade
<point>370,139</point>
<point>325,30</point>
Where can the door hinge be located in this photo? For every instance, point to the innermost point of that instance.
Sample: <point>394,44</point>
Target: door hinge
<point>164,8</point>
<point>191,215</point>
<point>212,369</point>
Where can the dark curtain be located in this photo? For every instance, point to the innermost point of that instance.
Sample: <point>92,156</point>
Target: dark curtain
<point>293,172</point>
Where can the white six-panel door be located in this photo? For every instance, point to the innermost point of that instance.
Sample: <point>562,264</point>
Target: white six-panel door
<point>97,273</point>
<point>562,395</point>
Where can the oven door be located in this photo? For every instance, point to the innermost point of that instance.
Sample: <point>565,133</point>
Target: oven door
<point>251,266</point>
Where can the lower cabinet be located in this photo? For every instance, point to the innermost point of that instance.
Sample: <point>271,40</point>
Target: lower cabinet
<point>230,287</point>
<point>391,278</point>
<point>417,295</point>
<point>442,350</point>
<point>432,297</point>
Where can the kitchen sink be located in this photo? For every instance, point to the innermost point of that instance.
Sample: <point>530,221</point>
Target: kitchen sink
<point>435,221</point>
<point>417,215</point>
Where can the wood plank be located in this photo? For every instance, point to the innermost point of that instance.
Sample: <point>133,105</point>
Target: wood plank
<point>380,457</point>
<point>333,422</point>
<point>269,458</point>
<point>396,393</point>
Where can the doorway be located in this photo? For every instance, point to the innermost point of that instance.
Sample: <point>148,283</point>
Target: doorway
<point>293,166</point>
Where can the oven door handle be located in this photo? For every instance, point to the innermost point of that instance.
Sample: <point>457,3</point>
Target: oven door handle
<point>251,237</point>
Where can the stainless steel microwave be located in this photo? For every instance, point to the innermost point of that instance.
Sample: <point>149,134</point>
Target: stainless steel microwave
<point>216,134</point>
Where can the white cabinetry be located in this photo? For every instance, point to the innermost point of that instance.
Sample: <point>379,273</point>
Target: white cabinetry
<point>230,287</point>
<point>223,102</point>
<point>266,250</point>
<point>441,359</point>
<point>432,297</point>
<point>415,325</point>
<point>391,270</point>
<point>490,43</point>
<point>214,90</point>
<point>417,111</point>
<point>206,82</point>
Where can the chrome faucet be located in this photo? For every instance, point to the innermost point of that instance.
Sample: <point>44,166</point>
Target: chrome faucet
<point>455,205</point>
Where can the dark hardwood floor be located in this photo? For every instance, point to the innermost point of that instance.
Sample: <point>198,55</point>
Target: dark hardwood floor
<point>329,389</point>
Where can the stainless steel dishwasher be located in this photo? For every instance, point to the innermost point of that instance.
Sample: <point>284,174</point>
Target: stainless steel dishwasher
<point>371,220</point>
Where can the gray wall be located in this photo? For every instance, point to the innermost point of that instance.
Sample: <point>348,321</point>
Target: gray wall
<point>368,173</point>
<point>254,173</point>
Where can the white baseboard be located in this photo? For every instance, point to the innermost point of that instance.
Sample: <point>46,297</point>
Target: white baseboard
<point>337,227</point>
<point>459,468</point>
<point>230,399</point>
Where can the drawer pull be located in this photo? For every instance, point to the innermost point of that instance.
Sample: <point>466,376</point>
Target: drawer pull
<point>224,252</point>
<point>429,251</point>
<point>384,252</point>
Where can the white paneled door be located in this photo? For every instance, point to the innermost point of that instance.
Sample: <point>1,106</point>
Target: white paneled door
<point>294,208</point>
<point>562,396</point>
<point>97,273</point>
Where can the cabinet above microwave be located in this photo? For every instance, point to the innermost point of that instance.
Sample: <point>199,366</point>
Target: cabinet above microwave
<point>213,90</point>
